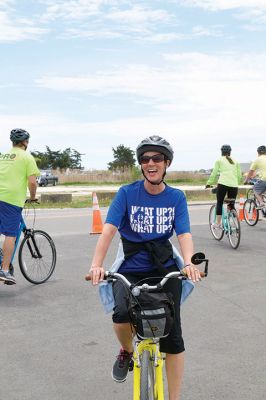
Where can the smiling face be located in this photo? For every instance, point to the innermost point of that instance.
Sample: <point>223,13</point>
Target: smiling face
<point>153,165</point>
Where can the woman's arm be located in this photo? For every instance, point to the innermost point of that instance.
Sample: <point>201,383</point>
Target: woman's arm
<point>187,250</point>
<point>215,172</point>
<point>102,246</point>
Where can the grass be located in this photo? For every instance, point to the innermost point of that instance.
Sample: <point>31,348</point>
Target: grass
<point>77,202</point>
<point>190,182</point>
<point>181,181</point>
<point>105,199</point>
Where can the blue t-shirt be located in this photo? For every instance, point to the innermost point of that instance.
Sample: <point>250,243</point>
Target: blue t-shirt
<point>141,216</point>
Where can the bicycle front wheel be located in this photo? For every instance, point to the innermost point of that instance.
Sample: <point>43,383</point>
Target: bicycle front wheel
<point>250,194</point>
<point>234,232</point>
<point>147,381</point>
<point>37,257</point>
<point>216,232</point>
<point>251,214</point>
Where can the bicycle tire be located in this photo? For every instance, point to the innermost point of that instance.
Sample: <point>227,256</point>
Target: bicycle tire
<point>147,378</point>
<point>250,194</point>
<point>234,231</point>
<point>37,269</point>
<point>217,233</point>
<point>251,214</point>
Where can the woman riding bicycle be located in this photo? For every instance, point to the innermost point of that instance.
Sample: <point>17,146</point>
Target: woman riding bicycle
<point>147,213</point>
<point>227,173</point>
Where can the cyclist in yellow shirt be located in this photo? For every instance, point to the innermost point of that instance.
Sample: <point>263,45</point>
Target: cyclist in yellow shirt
<point>18,170</point>
<point>259,166</point>
<point>227,174</point>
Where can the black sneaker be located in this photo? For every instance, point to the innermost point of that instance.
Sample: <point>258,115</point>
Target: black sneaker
<point>7,278</point>
<point>122,365</point>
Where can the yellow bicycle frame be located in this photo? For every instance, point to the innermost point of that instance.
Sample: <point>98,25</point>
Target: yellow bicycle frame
<point>153,348</point>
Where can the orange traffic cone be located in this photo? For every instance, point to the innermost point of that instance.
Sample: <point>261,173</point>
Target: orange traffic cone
<point>97,225</point>
<point>241,208</point>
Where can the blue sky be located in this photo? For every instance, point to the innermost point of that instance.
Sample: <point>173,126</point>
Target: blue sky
<point>94,74</point>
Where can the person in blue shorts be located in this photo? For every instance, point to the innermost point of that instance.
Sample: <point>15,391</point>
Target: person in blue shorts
<point>18,170</point>
<point>147,213</point>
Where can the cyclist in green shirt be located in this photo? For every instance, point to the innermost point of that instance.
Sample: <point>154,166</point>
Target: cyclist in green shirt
<point>227,174</point>
<point>259,165</point>
<point>18,170</point>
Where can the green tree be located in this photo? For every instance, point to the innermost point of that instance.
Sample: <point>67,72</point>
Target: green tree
<point>123,159</point>
<point>68,158</point>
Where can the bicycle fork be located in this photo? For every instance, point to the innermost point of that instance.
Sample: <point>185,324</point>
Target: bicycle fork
<point>33,248</point>
<point>157,361</point>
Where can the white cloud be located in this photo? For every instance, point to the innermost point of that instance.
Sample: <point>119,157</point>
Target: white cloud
<point>182,70</point>
<point>91,34</point>
<point>256,19</point>
<point>195,98</point>
<point>216,5</point>
<point>197,101</point>
<point>76,9</point>
<point>5,3</point>
<point>68,11</point>
<point>200,30</point>
<point>165,37</point>
<point>116,19</point>
<point>196,141</point>
<point>138,15</point>
<point>18,29</point>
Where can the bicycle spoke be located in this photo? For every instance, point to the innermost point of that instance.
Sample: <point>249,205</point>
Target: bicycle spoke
<point>37,257</point>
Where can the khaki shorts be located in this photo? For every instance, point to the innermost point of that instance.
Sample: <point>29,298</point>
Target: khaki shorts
<point>260,187</point>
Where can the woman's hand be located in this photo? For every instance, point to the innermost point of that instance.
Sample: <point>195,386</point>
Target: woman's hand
<point>192,272</point>
<point>96,275</point>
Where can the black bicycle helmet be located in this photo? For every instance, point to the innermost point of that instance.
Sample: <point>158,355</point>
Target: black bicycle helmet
<point>155,143</point>
<point>261,149</point>
<point>18,135</point>
<point>226,148</point>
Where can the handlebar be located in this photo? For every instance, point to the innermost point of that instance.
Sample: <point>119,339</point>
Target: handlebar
<point>196,259</point>
<point>111,276</point>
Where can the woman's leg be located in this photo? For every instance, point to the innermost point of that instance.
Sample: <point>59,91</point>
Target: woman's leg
<point>173,344</point>
<point>220,195</point>
<point>121,320</point>
<point>174,365</point>
<point>232,194</point>
<point>124,335</point>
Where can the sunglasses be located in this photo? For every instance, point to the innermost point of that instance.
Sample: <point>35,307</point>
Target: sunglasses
<point>157,158</point>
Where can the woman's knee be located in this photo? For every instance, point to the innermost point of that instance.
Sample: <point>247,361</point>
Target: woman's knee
<point>120,314</point>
